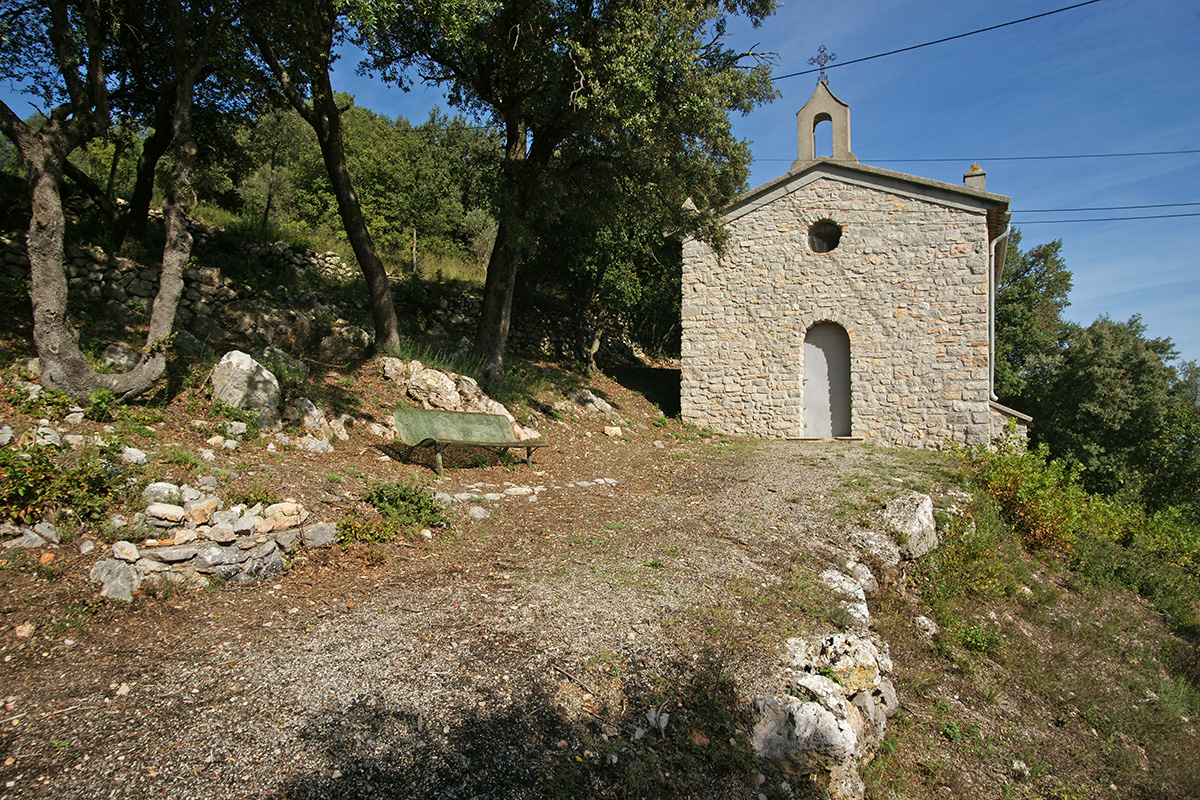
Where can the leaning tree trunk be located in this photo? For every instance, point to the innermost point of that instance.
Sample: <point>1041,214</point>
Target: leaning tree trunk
<point>316,22</point>
<point>333,151</point>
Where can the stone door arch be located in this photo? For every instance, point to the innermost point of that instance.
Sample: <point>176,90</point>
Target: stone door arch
<point>826,381</point>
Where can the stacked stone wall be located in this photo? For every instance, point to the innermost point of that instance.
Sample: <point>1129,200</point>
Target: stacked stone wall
<point>908,282</point>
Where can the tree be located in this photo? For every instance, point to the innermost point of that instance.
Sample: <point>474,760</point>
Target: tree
<point>61,52</point>
<point>577,87</point>
<point>1108,403</point>
<point>1030,330</point>
<point>296,40</point>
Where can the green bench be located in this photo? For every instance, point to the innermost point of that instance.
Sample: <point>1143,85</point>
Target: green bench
<point>420,427</point>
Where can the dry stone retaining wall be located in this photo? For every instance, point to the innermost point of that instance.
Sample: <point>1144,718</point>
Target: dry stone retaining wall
<point>909,284</point>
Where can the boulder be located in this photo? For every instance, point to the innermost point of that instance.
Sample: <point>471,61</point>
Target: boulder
<point>801,737</point>
<point>434,389</point>
<point>161,492</point>
<point>910,519</point>
<point>240,381</point>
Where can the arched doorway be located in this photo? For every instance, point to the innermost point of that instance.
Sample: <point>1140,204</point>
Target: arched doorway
<point>826,381</point>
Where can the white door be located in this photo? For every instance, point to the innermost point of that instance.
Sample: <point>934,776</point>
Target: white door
<point>826,381</point>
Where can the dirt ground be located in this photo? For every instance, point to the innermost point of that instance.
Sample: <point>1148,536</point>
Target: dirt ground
<point>512,656</point>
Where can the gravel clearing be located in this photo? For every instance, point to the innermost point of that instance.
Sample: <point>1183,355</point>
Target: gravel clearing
<point>511,656</point>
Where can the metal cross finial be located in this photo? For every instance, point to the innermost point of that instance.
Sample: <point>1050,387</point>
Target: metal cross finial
<point>821,59</point>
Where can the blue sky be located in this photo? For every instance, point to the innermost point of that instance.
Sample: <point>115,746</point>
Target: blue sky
<point>1117,76</point>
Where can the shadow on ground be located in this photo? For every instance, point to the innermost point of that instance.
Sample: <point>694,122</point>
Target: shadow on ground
<point>535,748</point>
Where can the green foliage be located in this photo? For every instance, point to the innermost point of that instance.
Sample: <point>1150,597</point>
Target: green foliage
<point>1040,498</point>
<point>1030,329</point>
<point>37,481</point>
<point>402,507</point>
<point>103,406</point>
<point>978,556</point>
<point>1109,541</point>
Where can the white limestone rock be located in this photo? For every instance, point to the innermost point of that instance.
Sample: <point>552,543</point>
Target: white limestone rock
<point>910,519</point>
<point>240,381</point>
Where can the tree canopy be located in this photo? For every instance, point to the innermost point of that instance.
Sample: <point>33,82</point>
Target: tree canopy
<point>584,92</point>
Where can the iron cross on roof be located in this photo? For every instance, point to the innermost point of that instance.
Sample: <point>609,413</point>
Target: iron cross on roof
<point>821,59</point>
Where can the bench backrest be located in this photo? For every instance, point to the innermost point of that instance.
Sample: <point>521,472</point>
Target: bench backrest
<point>417,425</point>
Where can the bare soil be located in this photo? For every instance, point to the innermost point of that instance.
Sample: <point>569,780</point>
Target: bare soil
<point>515,656</point>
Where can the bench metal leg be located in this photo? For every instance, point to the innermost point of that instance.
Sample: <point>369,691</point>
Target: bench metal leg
<point>529,457</point>
<point>437,458</point>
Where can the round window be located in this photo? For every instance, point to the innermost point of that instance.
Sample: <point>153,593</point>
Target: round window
<point>824,235</point>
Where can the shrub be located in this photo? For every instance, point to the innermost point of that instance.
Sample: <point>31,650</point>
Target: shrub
<point>402,507</point>
<point>34,482</point>
<point>1040,498</point>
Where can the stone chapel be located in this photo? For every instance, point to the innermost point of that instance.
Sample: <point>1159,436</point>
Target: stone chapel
<point>850,301</point>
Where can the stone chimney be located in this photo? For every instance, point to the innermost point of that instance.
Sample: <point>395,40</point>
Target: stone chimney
<point>975,177</point>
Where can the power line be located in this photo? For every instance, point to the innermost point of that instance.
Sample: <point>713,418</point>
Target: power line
<point>1101,219</point>
<point>1100,208</point>
<point>1014,158</point>
<point>938,41</point>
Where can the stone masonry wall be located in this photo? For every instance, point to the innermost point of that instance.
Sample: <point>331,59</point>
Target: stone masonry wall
<point>908,282</point>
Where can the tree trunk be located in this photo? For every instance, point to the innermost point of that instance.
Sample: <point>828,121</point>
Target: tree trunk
<point>491,336</point>
<point>153,149</point>
<point>333,151</point>
<point>315,28</point>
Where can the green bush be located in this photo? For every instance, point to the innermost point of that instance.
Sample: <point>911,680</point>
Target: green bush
<point>1108,541</point>
<point>35,482</point>
<point>1040,498</point>
<point>402,507</point>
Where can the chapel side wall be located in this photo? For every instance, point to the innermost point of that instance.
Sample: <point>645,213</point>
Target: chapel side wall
<point>908,282</point>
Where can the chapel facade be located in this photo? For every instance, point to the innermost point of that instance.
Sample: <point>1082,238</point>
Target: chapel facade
<point>849,301</point>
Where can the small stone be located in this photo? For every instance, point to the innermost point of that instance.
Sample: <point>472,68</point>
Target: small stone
<point>183,537</point>
<point>87,547</point>
<point>28,540</point>
<point>201,511</point>
<point>215,441</point>
<point>161,492</point>
<point>287,541</point>
<point>321,534</point>
<point>74,419</point>
<point>222,532</point>
<point>612,431</point>
<point>132,455</point>
<point>125,551</point>
<point>6,436</point>
<point>478,512</point>
<point>119,578</point>
<point>24,630</point>
<point>518,491</point>
<point>160,513</point>
<point>427,534</point>
<point>1019,770</point>
<point>47,531</point>
<point>659,444</point>
<point>45,436</point>
<point>927,627</point>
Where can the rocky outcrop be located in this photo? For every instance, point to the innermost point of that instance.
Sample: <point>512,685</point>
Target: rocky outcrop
<point>832,717</point>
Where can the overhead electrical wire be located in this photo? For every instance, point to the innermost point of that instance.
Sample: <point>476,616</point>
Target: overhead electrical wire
<point>1100,208</point>
<point>1018,158</point>
<point>1099,219</point>
<point>830,66</point>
